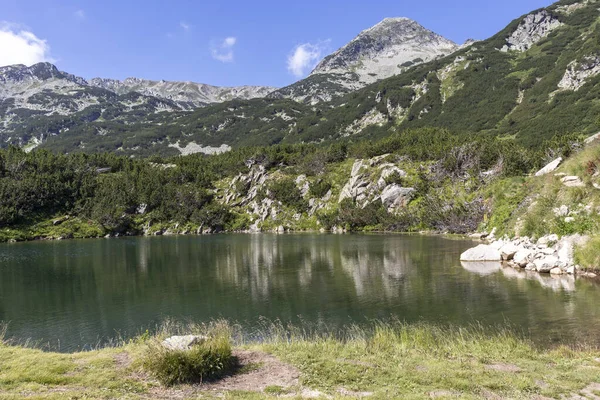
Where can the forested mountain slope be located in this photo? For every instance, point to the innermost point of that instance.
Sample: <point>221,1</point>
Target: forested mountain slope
<point>537,78</point>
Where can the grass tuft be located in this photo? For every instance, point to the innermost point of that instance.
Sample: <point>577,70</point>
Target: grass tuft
<point>205,361</point>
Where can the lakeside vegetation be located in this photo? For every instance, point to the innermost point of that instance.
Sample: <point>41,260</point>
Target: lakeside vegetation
<point>389,360</point>
<point>78,195</point>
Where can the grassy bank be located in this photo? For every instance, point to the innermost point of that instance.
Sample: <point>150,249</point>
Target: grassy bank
<point>391,360</point>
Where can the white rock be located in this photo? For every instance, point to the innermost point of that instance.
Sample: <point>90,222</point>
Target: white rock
<point>592,138</point>
<point>395,196</point>
<point>545,264</point>
<point>508,251</point>
<point>481,253</point>
<point>548,251</point>
<point>556,271</point>
<point>572,181</point>
<point>551,167</point>
<point>358,165</point>
<point>522,257</point>
<point>531,30</point>
<point>530,267</point>
<point>183,342</point>
<point>568,220</point>
<point>561,211</point>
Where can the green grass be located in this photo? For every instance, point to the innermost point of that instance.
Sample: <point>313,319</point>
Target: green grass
<point>387,360</point>
<point>588,256</point>
<point>206,361</point>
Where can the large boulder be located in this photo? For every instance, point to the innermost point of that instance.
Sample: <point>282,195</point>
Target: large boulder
<point>183,342</point>
<point>508,251</point>
<point>546,264</point>
<point>522,257</point>
<point>395,196</point>
<point>550,167</point>
<point>481,253</point>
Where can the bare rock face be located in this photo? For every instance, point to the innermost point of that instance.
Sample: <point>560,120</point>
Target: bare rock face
<point>395,196</point>
<point>382,51</point>
<point>532,29</point>
<point>578,72</point>
<point>190,93</point>
<point>364,189</point>
<point>379,52</point>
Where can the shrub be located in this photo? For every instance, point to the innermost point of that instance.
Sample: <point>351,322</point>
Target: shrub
<point>286,191</point>
<point>588,256</point>
<point>320,188</point>
<point>208,360</point>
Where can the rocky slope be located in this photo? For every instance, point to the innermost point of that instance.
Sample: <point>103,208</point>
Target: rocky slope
<point>187,94</point>
<point>382,51</point>
<point>43,95</point>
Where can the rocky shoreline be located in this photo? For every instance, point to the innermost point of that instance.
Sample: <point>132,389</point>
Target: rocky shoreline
<point>549,254</point>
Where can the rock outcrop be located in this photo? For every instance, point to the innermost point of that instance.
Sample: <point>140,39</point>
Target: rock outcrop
<point>549,254</point>
<point>531,30</point>
<point>369,183</point>
<point>579,72</point>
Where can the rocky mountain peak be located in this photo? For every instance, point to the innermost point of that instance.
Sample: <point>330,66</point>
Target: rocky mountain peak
<point>384,50</point>
<point>41,71</point>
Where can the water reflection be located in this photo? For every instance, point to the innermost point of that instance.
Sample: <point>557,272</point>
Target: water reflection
<point>85,291</point>
<point>482,268</point>
<point>554,282</point>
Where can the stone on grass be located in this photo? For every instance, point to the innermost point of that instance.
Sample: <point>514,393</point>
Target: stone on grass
<point>550,167</point>
<point>183,342</point>
<point>572,181</point>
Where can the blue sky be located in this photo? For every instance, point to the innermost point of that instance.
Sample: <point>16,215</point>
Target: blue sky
<point>225,43</point>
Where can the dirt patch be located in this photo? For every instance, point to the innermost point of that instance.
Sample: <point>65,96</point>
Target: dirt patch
<point>258,371</point>
<point>502,367</point>
<point>123,360</point>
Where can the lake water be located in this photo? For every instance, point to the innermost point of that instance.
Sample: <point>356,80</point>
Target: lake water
<point>68,295</point>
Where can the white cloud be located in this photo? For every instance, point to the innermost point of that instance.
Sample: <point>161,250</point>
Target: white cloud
<point>20,46</point>
<point>223,50</point>
<point>185,26</point>
<point>80,15</point>
<point>305,57</point>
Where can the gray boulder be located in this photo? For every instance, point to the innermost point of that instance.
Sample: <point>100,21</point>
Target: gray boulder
<point>550,167</point>
<point>481,253</point>
<point>183,342</point>
<point>395,196</point>
<point>546,264</point>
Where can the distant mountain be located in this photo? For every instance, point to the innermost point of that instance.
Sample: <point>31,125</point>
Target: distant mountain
<point>536,79</point>
<point>189,94</point>
<point>40,101</point>
<point>382,51</point>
